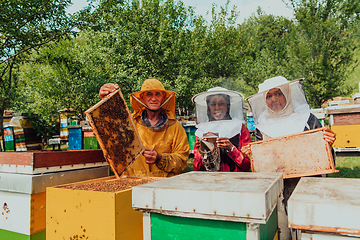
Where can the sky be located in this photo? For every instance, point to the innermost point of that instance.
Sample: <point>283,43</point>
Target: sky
<point>246,7</point>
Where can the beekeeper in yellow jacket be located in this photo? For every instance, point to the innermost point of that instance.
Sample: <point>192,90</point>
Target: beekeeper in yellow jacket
<point>165,141</point>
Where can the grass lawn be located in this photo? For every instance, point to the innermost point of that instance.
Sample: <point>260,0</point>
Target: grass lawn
<point>349,167</point>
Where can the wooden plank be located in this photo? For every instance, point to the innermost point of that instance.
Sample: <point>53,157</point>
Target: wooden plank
<point>37,213</point>
<point>41,159</point>
<point>115,131</point>
<point>346,119</point>
<point>62,158</point>
<point>75,212</point>
<point>343,109</point>
<point>16,158</point>
<point>129,224</point>
<point>295,155</point>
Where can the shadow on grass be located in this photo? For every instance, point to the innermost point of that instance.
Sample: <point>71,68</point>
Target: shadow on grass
<point>345,172</point>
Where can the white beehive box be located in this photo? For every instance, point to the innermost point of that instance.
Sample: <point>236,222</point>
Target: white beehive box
<point>246,197</point>
<point>23,198</point>
<point>324,206</point>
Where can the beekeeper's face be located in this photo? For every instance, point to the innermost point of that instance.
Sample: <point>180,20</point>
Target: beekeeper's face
<point>218,107</point>
<point>153,99</point>
<point>275,99</point>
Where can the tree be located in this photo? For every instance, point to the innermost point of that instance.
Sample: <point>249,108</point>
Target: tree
<point>25,25</point>
<point>322,46</point>
<point>67,74</point>
<point>266,54</point>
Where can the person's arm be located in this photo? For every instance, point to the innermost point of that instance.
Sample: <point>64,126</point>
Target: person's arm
<point>197,162</point>
<point>176,160</point>
<point>236,155</point>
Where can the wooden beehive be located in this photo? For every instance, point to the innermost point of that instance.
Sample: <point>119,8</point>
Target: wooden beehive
<point>210,205</point>
<point>295,155</point>
<point>115,131</point>
<point>23,200</point>
<point>94,209</point>
<point>345,122</point>
<point>37,162</point>
<point>325,208</point>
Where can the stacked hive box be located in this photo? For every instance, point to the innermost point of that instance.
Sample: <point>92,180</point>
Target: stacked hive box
<point>9,140</point>
<point>90,141</point>
<point>344,120</point>
<point>210,205</point>
<point>65,115</point>
<point>26,137</point>
<point>325,208</point>
<point>24,178</point>
<point>95,209</point>
<point>75,137</point>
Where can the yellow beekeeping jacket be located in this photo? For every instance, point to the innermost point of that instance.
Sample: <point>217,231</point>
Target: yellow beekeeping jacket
<point>170,140</point>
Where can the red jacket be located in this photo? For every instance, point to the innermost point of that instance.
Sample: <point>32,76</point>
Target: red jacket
<point>242,164</point>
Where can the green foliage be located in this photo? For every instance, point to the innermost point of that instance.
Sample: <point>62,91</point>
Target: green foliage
<point>25,25</point>
<point>322,47</point>
<point>267,53</point>
<point>67,74</point>
<point>43,128</point>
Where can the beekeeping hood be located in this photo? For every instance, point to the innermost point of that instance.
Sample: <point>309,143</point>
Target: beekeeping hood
<point>168,105</point>
<point>291,119</point>
<point>225,128</point>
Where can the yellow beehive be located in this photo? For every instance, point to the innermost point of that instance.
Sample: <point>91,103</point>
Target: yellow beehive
<point>347,136</point>
<point>77,211</point>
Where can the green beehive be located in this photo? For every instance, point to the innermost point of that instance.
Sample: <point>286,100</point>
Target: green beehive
<point>210,205</point>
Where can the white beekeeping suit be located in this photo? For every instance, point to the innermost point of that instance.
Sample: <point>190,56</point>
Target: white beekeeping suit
<point>230,124</point>
<point>288,117</point>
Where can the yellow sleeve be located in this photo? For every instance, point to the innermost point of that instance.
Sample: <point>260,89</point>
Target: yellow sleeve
<point>175,161</point>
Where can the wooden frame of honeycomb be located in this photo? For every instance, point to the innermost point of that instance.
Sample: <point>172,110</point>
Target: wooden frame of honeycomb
<point>115,131</point>
<point>295,155</point>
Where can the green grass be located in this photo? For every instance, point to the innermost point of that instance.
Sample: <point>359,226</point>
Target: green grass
<point>349,167</point>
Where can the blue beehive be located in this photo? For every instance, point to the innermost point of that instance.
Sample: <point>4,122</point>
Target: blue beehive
<point>250,123</point>
<point>75,137</point>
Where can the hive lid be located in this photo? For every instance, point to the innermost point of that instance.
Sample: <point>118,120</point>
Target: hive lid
<point>326,205</point>
<point>343,109</point>
<point>115,131</point>
<point>241,196</point>
<point>32,184</point>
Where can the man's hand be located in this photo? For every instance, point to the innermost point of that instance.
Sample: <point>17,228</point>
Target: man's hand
<point>151,156</point>
<point>329,136</point>
<point>107,89</point>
